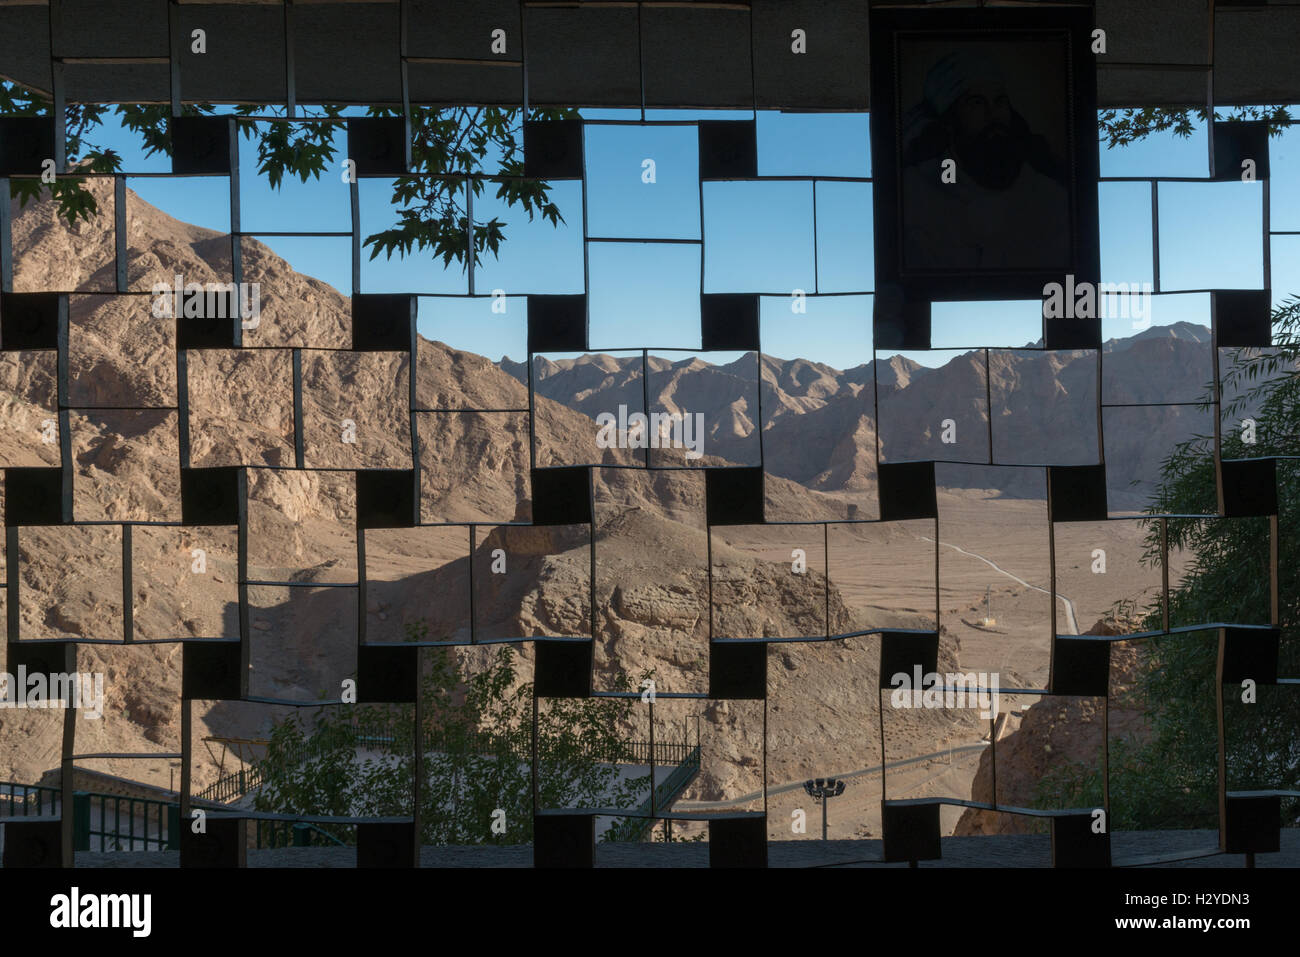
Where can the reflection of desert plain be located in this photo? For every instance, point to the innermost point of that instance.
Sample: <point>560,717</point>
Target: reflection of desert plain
<point>977,532</point>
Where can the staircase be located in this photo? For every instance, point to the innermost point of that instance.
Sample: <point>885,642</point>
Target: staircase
<point>635,829</point>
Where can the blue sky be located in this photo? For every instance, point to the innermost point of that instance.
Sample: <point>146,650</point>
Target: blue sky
<point>758,238</point>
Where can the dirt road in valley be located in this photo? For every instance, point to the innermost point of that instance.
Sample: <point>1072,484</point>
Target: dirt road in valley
<point>1069,605</point>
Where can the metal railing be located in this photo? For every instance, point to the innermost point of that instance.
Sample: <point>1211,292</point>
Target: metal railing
<point>665,752</point>
<point>28,800</point>
<point>113,822</point>
<point>632,829</point>
<point>121,823</point>
<point>233,786</point>
<point>611,752</point>
<point>394,737</point>
<point>275,834</point>
<point>149,825</point>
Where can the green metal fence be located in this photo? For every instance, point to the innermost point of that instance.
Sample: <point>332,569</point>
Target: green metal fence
<point>124,823</point>
<point>28,800</point>
<point>112,822</point>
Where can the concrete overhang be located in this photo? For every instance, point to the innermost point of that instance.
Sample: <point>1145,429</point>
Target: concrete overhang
<point>598,54</point>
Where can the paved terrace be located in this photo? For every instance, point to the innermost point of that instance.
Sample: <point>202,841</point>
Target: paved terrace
<point>1133,849</point>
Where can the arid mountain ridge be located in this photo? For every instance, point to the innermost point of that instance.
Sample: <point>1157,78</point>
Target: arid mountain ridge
<point>819,423</point>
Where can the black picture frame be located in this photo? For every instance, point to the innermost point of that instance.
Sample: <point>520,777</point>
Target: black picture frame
<point>896,36</point>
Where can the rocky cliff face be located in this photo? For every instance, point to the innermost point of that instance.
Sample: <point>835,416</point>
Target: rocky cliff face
<point>1052,734</point>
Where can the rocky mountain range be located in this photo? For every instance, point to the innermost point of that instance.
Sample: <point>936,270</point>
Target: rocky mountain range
<point>820,425</point>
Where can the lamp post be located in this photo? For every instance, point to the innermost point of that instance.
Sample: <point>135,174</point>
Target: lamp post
<point>823,789</point>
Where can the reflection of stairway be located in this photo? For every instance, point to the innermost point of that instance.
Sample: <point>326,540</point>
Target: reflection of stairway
<point>633,829</point>
<point>235,785</point>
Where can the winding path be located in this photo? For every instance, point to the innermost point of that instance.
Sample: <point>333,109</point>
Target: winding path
<point>1069,605</point>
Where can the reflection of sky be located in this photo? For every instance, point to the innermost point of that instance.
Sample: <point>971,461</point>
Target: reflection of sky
<point>759,239</point>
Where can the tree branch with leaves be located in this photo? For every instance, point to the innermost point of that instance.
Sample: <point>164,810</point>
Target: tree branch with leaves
<point>453,150</point>
<point>476,745</point>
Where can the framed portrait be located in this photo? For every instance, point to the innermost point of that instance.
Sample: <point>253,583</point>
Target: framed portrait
<point>984,151</point>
